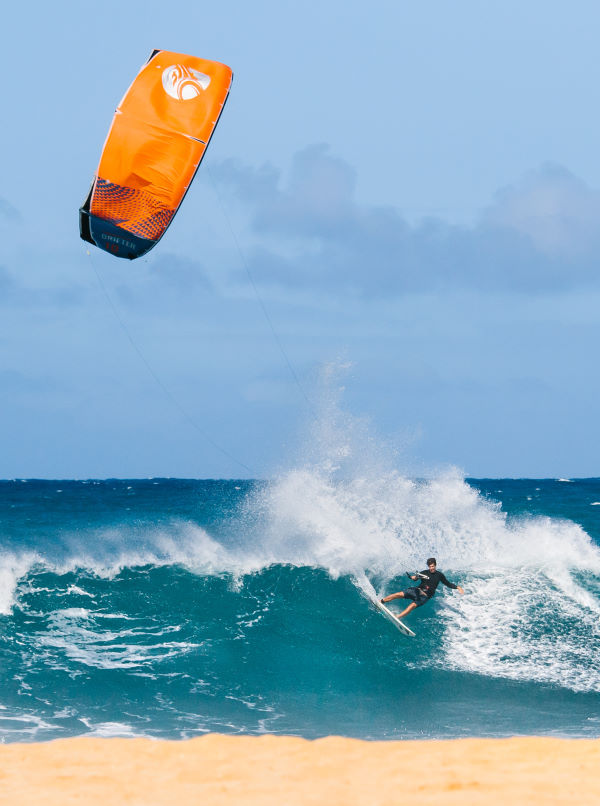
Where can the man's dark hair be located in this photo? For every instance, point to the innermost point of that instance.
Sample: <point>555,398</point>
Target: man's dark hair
<point>431,560</point>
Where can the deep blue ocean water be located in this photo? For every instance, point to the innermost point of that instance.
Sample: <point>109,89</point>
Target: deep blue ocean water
<point>170,608</point>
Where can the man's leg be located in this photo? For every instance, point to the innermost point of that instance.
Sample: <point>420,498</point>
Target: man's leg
<point>393,596</point>
<point>411,606</point>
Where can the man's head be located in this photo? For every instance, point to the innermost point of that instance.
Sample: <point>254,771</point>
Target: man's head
<point>431,563</point>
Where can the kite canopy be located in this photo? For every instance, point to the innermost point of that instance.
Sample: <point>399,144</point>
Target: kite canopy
<point>157,139</point>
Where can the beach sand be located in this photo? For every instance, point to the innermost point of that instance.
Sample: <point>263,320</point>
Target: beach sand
<point>284,771</point>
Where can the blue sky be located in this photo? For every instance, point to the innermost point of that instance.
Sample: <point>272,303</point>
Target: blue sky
<point>414,190</point>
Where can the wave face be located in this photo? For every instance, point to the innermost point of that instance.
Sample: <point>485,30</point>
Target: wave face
<point>170,608</point>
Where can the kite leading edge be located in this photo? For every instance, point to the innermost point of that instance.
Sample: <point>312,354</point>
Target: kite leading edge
<point>155,144</point>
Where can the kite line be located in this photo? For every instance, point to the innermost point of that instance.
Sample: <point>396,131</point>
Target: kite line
<point>167,392</point>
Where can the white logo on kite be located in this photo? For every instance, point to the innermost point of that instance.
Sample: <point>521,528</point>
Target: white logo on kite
<point>183,83</point>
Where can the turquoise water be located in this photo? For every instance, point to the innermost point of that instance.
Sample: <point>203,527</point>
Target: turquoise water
<point>170,608</point>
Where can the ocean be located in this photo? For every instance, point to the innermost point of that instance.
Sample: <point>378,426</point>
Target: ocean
<point>169,608</point>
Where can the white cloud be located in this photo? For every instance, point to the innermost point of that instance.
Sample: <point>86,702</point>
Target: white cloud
<point>538,235</point>
<point>555,209</point>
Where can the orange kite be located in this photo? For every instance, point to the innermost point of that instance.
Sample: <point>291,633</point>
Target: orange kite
<point>156,142</point>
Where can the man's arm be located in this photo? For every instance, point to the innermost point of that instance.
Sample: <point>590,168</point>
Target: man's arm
<point>450,584</point>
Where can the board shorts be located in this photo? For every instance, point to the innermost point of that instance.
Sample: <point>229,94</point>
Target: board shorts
<point>416,595</point>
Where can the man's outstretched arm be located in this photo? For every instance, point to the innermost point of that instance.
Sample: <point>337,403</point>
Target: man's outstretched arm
<point>451,584</point>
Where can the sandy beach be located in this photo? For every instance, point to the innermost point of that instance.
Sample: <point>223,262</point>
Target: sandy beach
<point>216,769</point>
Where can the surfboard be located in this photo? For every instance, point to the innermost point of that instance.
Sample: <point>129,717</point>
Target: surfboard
<point>391,617</point>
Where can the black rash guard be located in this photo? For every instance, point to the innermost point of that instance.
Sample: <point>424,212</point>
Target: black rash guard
<point>429,585</point>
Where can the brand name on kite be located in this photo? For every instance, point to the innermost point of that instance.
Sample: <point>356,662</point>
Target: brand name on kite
<point>114,239</point>
<point>183,83</point>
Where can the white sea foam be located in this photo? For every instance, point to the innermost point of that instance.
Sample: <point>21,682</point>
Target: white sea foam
<point>22,726</point>
<point>12,568</point>
<point>79,591</point>
<point>544,631</point>
<point>72,633</point>
<point>111,730</point>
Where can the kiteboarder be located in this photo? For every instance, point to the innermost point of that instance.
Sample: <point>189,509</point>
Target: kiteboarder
<point>430,579</point>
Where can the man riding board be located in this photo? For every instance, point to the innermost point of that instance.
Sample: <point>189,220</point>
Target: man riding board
<point>430,579</point>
